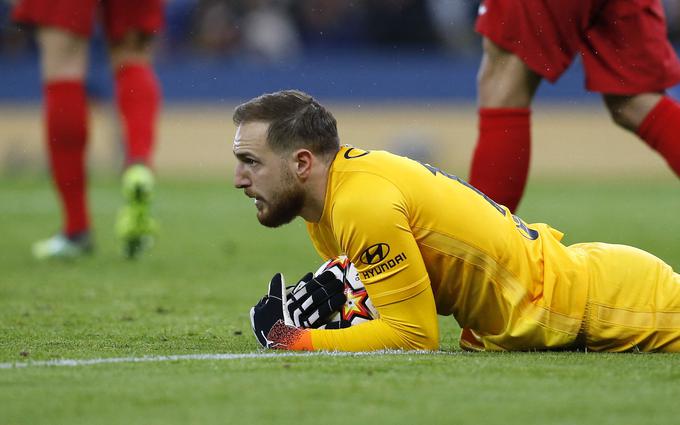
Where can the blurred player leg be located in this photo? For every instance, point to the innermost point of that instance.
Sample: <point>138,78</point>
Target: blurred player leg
<point>655,118</point>
<point>628,58</point>
<point>660,129</point>
<point>138,99</point>
<point>63,28</point>
<point>63,62</point>
<point>129,28</point>
<point>500,164</point>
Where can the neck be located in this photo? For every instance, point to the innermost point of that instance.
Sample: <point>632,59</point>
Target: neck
<point>316,193</point>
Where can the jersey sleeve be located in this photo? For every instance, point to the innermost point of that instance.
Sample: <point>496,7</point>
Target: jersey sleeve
<point>372,228</point>
<point>410,325</point>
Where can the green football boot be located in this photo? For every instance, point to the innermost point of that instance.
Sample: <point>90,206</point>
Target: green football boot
<point>135,227</point>
<point>61,247</point>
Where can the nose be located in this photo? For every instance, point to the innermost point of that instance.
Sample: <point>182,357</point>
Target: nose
<point>241,178</point>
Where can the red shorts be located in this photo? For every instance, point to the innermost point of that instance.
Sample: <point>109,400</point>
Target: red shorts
<point>623,43</point>
<point>78,16</point>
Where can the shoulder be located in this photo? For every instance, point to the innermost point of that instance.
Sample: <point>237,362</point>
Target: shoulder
<point>366,200</point>
<point>365,188</point>
<point>366,170</point>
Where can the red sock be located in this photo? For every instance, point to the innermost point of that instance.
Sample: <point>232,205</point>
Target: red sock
<point>138,96</point>
<point>501,160</point>
<point>66,119</point>
<point>661,130</point>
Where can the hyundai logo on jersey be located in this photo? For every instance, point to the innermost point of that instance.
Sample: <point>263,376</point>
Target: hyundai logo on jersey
<point>375,253</point>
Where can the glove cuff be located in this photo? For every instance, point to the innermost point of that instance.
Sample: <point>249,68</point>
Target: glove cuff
<point>284,337</point>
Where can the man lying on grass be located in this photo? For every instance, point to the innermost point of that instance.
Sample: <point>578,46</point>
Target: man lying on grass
<point>424,243</point>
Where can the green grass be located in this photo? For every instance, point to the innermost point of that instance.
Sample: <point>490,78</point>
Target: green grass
<point>212,262</point>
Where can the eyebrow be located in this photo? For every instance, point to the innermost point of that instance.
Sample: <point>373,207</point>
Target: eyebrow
<point>244,155</point>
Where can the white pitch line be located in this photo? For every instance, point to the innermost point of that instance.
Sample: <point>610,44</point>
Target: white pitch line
<point>225,356</point>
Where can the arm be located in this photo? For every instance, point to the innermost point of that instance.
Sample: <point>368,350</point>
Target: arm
<point>408,324</point>
<point>397,283</point>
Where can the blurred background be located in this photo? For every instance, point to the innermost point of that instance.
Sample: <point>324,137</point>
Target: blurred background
<point>398,74</point>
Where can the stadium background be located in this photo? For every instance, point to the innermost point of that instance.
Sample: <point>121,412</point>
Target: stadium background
<point>403,81</point>
<point>398,74</point>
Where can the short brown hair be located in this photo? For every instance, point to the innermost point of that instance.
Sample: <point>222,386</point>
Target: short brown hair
<point>296,120</point>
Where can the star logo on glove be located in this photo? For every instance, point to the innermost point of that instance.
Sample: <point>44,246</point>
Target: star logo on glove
<point>356,304</point>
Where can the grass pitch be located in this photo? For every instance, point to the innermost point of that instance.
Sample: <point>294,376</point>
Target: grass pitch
<point>192,294</point>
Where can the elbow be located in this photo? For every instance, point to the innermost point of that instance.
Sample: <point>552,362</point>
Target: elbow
<point>426,341</point>
<point>430,342</point>
<point>417,335</point>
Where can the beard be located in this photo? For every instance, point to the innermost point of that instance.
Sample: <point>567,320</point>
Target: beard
<point>284,205</point>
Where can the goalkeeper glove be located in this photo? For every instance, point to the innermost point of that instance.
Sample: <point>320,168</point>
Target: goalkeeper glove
<point>269,311</point>
<point>314,299</point>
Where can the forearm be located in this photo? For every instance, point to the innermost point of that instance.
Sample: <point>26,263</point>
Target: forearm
<point>374,335</point>
<point>408,325</point>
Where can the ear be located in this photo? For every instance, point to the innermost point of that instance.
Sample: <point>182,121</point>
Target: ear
<point>304,160</point>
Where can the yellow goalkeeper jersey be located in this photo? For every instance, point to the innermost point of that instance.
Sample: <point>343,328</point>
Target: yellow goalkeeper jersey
<point>426,242</point>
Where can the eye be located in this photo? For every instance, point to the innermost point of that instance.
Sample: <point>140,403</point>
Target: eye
<point>247,160</point>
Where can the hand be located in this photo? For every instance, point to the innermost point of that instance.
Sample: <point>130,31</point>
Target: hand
<point>269,311</point>
<point>313,300</point>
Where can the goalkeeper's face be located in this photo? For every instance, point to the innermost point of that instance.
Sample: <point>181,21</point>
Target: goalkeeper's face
<point>266,177</point>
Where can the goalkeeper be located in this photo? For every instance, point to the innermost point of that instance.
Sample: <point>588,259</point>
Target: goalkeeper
<point>426,242</point>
